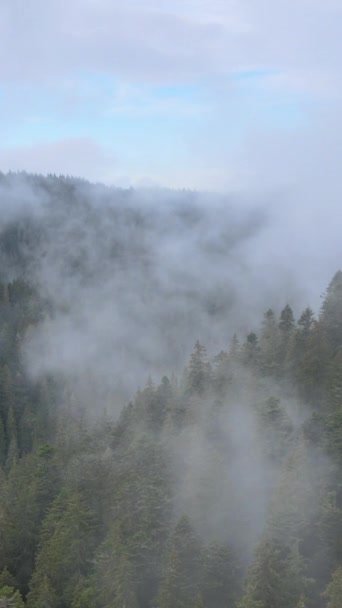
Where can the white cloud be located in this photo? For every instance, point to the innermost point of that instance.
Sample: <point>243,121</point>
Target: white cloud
<point>159,41</point>
<point>169,41</point>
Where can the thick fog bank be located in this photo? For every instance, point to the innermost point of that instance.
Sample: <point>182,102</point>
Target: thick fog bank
<point>135,277</point>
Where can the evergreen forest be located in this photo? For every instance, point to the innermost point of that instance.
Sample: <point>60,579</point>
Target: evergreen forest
<point>211,480</point>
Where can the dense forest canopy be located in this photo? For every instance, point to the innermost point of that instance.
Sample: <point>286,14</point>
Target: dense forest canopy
<point>217,483</point>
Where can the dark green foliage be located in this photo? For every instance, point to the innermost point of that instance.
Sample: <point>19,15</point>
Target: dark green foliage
<point>67,542</point>
<point>269,345</point>
<point>299,352</point>
<point>264,584</point>
<point>26,494</point>
<point>250,351</point>
<point>3,450</point>
<point>91,512</point>
<point>305,323</point>
<point>6,579</point>
<point>310,366</point>
<point>117,576</point>
<point>180,584</point>
<point>334,590</point>
<point>331,315</point>
<point>330,527</point>
<point>9,598</point>
<point>334,382</point>
<point>275,579</point>
<point>286,336</point>
<point>199,371</point>
<point>286,322</point>
<point>220,577</point>
<point>276,428</point>
<point>12,437</point>
<point>222,372</point>
<point>332,437</point>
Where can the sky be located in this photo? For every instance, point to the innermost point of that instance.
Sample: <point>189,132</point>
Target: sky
<point>204,94</point>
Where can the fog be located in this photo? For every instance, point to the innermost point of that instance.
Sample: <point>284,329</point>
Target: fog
<point>134,278</point>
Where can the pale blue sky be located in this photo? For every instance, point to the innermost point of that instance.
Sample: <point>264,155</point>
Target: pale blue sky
<point>172,93</point>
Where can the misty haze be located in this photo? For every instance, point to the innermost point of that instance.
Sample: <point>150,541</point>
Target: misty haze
<point>170,304</point>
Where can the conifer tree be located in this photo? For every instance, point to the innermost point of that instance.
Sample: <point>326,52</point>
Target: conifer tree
<point>286,327</point>
<point>276,429</point>
<point>7,579</point>
<point>311,370</point>
<point>330,528</point>
<point>299,346</point>
<point>250,351</point>
<point>301,602</point>
<point>68,538</point>
<point>116,577</point>
<point>286,322</point>
<point>234,349</point>
<point>331,314</point>
<point>6,391</point>
<point>220,576</point>
<point>305,322</point>
<point>334,590</point>
<point>3,450</point>
<point>269,345</point>
<point>264,586</point>
<point>12,438</point>
<point>334,382</point>
<point>180,583</point>
<point>199,372</point>
<point>222,374</point>
<point>10,598</point>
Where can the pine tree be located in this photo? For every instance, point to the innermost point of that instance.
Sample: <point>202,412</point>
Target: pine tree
<point>180,583</point>
<point>3,450</point>
<point>46,596</point>
<point>301,602</point>
<point>275,579</point>
<point>334,590</point>
<point>286,327</point>
<point>269,345</point>
<point>199,374</point>
<point>10,598</point>
<point>220,576</point>
<point>298,347</point>
<point>85,595</point>
<point>330,527</point>
<point>7,579</point>
<point>286,322</point>
<point>250,351</point>
<point>334,382</point>
<point>331,314</point>
<point>264,586</point>
<point>126,567</point>
<point>12,438</point>
<point>293,502</point>
<point>165,394</point>
<point>311,370</point>
<point>6,391</point>
<point>234,349</point>
<point>116,578</point>
<point>222,374</point>
<point>332,438</point>
<point>68,539</point>
<point>276,429</point>
<point>305,322</point>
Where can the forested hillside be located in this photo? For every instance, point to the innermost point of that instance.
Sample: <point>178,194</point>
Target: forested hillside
<point>218,485</point>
